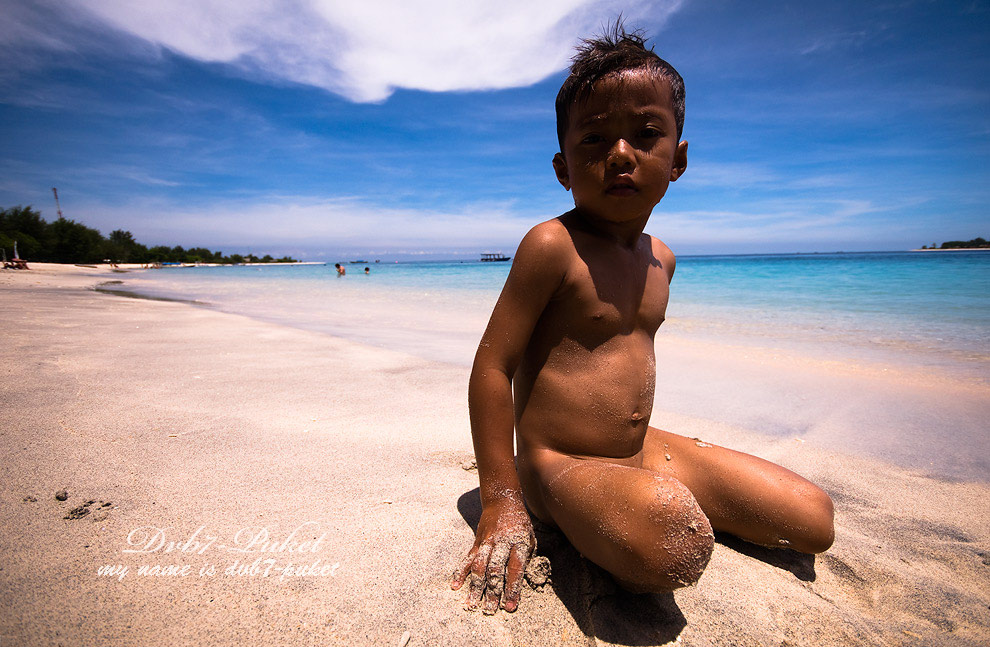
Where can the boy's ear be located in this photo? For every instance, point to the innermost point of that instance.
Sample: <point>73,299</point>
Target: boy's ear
<point>680,161</point>
<point>560,168</point>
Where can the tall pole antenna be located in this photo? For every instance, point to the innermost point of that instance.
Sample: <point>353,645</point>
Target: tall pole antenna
<point>57,207</point>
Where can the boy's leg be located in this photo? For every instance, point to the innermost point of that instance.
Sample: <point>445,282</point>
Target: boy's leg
<point>644,528</point>
<point>746,496</point>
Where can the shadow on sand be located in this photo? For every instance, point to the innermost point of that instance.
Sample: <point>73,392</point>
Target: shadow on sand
<point>601,608</point>
<point>801,565</point>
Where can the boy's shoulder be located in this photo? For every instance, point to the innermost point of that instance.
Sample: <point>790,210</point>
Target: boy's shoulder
<point>543,258</point>
<point>549,232</point>
<point>550,246</point>
<point>549,241</point>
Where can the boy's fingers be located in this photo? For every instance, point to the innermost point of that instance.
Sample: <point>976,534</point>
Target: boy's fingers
<point>461,572</point>
<point>495,577</point>
<point>514,570</point>
<point>476,588</point>
<point>476,579</point>
<point>492,598</point>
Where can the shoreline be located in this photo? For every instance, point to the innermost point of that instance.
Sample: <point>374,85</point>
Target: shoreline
<point>182,418</point>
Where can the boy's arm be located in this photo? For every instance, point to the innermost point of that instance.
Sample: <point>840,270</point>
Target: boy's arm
<point>504,541</point>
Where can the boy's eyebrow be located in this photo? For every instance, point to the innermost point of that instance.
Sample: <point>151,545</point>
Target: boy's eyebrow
<point>603,116</point>
<point>591,119</point>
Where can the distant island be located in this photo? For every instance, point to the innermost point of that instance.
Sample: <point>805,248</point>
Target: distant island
<point>67,241</point>
<point>976,243</point>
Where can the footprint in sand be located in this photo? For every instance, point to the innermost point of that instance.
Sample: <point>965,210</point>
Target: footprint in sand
<point>100,511</point>
<point>943,532</point>
<point>840,568</point>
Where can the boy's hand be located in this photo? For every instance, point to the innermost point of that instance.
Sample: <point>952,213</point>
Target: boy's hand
<point>502,547</point>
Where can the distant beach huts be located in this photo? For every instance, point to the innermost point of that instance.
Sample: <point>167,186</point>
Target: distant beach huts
<point>494,257</point>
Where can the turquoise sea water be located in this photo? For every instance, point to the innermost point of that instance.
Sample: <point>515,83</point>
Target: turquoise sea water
<point>927,308</point>
<point>937,303</point>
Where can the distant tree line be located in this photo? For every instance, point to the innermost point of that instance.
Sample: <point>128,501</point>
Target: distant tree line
<point>67,241</point>
<point>959,244</point>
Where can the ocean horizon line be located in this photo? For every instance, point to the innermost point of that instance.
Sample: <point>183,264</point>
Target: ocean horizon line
<point>404,257</point>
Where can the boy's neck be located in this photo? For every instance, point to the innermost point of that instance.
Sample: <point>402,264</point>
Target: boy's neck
<point>625,234</point>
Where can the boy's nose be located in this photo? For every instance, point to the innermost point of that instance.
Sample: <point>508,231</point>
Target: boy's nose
<point>621,154</point>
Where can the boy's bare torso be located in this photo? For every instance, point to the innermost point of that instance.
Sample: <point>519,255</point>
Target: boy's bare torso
<point>567,366</point>
<point>586,382</point>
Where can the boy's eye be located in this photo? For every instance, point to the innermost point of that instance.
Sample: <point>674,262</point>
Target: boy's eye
<point>649,131</point>
<point>591,139</point>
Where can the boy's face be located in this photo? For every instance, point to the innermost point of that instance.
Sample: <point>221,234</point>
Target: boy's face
<point>621,149</point>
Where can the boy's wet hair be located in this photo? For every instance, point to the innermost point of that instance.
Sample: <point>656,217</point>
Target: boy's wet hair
<point>613,52</point>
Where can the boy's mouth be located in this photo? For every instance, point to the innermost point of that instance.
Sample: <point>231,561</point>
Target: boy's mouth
<point>621,187</point>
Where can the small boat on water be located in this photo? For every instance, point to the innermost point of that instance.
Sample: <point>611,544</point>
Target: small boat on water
<point>494,257</point>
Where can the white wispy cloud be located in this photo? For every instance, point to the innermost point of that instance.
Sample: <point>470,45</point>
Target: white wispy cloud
<point>728,175</point>
<point>313,223</point>
<point>313,226</point>
<point>366,50</point>
<point>837,40</point>
<point>772,221</point>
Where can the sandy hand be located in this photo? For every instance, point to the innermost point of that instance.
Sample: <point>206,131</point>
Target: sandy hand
<point>502,547</point>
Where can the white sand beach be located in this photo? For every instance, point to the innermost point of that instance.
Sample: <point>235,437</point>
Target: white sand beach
<point>164,422</point>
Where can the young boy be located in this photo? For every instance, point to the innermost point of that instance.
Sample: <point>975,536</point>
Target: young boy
<point>572,335</point>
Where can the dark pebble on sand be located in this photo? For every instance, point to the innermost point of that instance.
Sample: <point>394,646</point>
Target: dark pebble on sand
<point>61,495</point>
<point>29,499</point>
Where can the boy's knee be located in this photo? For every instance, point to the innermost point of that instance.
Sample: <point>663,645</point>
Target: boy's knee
<point>817,528</point>
<point>682,542</point>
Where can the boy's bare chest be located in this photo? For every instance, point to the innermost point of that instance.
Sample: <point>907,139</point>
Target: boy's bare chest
<point>599,305</point>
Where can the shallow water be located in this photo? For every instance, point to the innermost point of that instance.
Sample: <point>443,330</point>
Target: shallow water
<point>931,308</point>
<point>928,309</point>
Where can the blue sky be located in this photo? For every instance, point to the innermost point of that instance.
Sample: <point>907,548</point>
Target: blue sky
<point>384,128</point>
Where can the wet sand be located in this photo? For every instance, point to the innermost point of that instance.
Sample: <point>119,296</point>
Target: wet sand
<point>323,482</point>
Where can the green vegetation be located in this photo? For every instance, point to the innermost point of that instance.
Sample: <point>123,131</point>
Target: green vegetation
<point>976,243</point>
<point>67,241</point>
<point>956,244</point>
